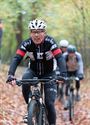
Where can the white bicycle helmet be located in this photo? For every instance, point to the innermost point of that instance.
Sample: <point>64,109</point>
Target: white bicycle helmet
<point>63,43</point>
<point>36,24</point>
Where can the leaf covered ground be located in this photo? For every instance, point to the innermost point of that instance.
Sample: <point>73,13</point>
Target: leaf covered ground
<point>13,107</point>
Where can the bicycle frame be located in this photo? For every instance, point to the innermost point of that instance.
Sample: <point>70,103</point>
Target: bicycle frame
<point>35,93</point>
<point>38,95</point>
<point>36,98</point>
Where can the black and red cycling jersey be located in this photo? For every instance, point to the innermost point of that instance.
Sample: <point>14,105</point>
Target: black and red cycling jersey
<point>41,56</point>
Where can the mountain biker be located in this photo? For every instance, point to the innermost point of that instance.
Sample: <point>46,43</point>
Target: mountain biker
<point>63,44</point>
<point>74,65</point>
<point>42,49</point>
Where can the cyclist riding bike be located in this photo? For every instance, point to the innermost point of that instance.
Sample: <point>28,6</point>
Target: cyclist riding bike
<point>42,50</point>
<point>74,65</point>
<point>63,44</point>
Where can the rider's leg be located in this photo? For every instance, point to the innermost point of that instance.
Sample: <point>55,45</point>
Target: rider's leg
<point>77,90</point>
<point>66,103</point>
<point>26,88</point>
<point>77,86</point>
<point>50,96</point>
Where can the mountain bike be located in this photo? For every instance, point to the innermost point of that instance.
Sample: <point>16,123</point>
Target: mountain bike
<point>37,112</point>
<point>71,96</point>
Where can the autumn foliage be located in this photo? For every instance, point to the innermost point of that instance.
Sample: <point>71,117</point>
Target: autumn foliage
<point>13,107</point>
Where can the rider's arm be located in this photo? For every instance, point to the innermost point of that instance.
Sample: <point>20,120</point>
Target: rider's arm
<point>61,64</point>
<point>15,62</point>
<point>17,59</point>
<point>80,64</point>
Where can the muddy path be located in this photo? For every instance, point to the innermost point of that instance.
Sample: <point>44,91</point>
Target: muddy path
<point>13,107</point>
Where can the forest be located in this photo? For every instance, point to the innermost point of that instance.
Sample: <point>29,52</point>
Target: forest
<point>66,19</point>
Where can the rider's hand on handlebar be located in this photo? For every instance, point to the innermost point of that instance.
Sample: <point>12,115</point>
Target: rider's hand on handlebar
<point>62,76</point>
<point>59,81</point>
<point>11,80</point>
<point>80,76</point>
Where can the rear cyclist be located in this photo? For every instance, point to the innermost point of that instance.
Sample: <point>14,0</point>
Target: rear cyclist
<point>63,44</point>
<point>74,65</point>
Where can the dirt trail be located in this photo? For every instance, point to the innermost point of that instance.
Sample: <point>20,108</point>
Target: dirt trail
<point>12,105</point>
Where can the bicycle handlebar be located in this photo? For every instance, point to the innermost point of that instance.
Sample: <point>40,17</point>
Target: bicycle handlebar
<point>72,78</point>
<point>31,81</point>
<point>36,80</point>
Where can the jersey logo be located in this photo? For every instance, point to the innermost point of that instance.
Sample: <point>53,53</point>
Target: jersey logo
<point>39,55</point>
<point>31,55</point>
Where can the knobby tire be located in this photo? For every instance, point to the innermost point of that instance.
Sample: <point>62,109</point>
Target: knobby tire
<point>33,113</point>
<point>71,107</point>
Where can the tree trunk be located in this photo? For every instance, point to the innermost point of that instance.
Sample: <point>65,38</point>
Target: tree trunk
<point>19,29</point>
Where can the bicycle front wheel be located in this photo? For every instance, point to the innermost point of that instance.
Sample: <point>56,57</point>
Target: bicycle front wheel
<point>43,116</point>
<point>71,107</point>
<point>33,113</point>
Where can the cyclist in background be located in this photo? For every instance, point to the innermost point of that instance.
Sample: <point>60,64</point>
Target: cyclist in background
<point>63,44</point>
<point>74,65</point>
<point>42,49</point>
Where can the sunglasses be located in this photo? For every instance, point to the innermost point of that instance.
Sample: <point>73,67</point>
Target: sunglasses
<point>37,31</point>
